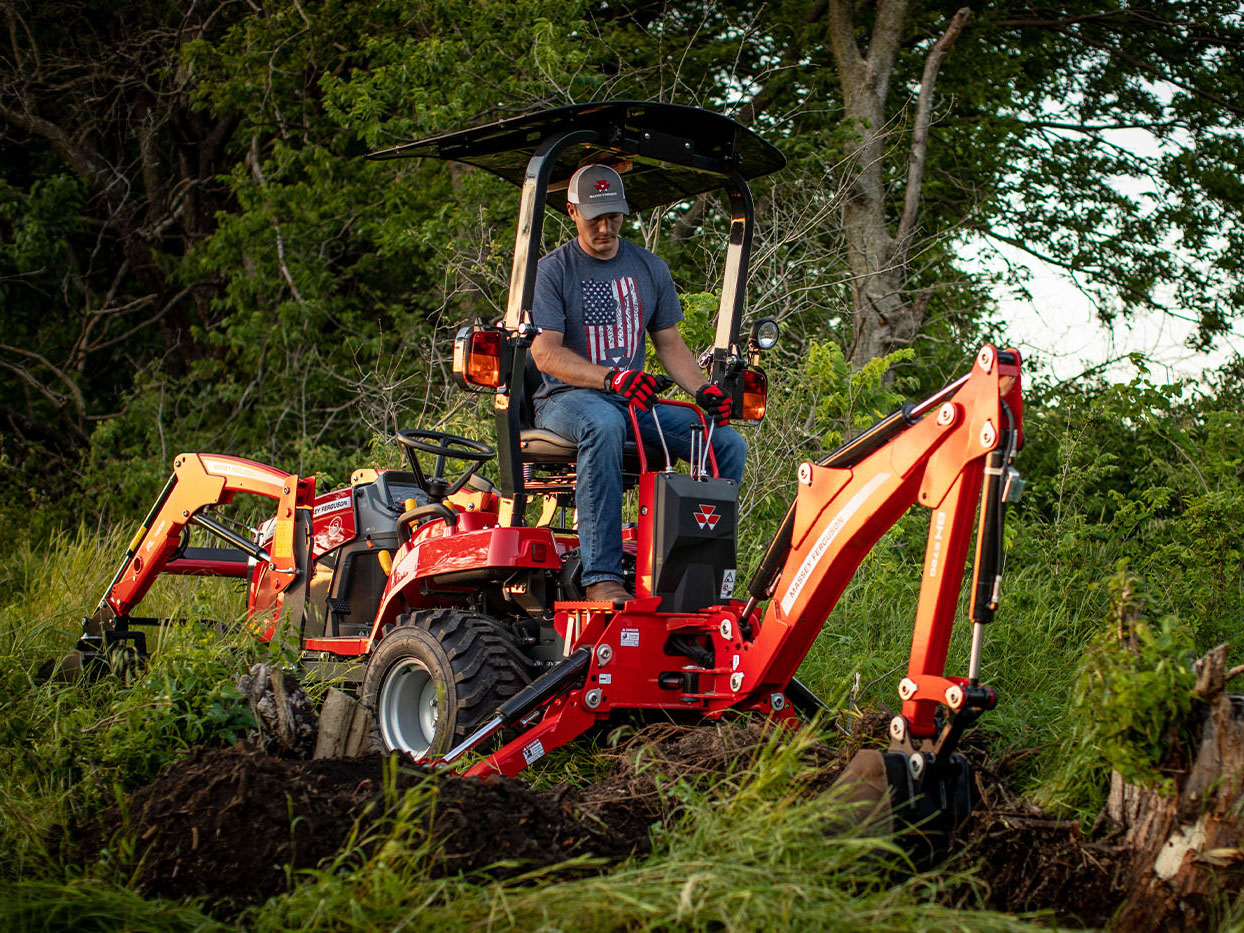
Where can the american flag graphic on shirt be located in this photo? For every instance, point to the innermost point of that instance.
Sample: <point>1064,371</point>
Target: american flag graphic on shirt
<point>612,319</point>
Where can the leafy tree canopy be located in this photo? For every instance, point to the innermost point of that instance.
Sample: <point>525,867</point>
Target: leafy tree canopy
<point>192,254</point>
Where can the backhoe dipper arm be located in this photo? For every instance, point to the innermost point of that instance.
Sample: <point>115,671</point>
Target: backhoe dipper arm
<point>847,502</point>
<point>199,481</point>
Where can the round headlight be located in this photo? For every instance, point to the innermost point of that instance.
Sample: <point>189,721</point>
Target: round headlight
<point>765,333</point>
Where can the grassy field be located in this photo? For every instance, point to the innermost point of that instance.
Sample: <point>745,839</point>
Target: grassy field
<point>748,851</point>
<point>1116,533</point>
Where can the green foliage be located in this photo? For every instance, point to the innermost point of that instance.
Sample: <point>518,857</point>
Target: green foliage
<point>68,748</point>
<point>1130,708</point>
<point>1148,473</point>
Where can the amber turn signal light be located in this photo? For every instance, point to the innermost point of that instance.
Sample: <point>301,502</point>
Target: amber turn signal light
<point>755,395</point>
<point>477,358</point>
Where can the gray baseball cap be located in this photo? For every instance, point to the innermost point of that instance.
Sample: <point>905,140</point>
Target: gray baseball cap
<point>596,190</point>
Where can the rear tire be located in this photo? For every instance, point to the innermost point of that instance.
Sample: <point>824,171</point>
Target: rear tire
<point>438,675</point>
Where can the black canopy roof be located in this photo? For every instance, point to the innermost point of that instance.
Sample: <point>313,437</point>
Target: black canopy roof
<point>665,152</point>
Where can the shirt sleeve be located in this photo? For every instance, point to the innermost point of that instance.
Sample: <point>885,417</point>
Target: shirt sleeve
<point>668,308</point>
<point>548,311</point>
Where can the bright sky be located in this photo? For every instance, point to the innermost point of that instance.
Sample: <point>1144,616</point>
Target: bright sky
<point>1062,336</point>
<point>1058,325</point>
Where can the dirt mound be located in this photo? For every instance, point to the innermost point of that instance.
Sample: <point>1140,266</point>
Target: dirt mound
<point>225,823</point>
<point>1031,862</point>
<point>231,825</point>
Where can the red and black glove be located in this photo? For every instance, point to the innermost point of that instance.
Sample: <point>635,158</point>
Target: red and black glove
<point>714,400</point>
<point>634,385</point>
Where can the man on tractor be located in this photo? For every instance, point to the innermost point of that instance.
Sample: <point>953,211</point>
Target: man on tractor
<point>596,297</point>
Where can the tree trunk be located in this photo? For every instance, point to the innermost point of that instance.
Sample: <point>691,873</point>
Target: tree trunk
<point>886,317</point>
<point>1186,847</point>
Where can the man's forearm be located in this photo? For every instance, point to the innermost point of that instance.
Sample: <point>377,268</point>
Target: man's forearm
<point>676,357</point>
<point>560,362</point>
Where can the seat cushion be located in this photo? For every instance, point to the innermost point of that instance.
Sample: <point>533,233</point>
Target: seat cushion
<point>541,446</point>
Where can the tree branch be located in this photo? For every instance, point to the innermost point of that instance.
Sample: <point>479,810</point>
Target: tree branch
<point>83,163</point>
<point>887,37</point>
<point>920,133</point>
<point>842,40</point>
<point>257,172</point>
<point>747,113</point>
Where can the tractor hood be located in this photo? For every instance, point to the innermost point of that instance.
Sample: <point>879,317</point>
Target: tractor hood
<point>665,152</point>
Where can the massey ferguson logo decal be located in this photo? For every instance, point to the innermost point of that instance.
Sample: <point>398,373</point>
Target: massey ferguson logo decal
<point>602,186</point>
<point>706,516</point>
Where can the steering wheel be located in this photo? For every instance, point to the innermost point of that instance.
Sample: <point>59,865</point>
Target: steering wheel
<point>444,447</point>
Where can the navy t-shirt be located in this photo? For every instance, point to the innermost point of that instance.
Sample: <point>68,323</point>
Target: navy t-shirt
<point>603,307</point>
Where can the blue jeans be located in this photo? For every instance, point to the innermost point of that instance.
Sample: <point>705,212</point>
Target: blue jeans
<point>599,424</point>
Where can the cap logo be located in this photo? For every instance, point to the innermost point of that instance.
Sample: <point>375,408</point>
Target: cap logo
<point>602,186</point>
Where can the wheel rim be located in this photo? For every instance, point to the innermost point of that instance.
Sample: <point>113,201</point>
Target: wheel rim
<point>408,708</point>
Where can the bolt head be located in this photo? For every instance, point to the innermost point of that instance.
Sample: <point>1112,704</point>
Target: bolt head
<point>726,629</point>
<point>604,654</point>
<point>946,414</point>
<point>736,681</point>
<point>988,434</point>
<point>805,474</point>
<point>907,688</point>
<point>954,697</point>
<point>916,763</point>
<point>984,359</point>
<point>898,729</point>
<point>592,698</point>
<point>777,702</point>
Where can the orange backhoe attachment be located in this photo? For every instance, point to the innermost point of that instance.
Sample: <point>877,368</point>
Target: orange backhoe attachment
<point>949,454</point>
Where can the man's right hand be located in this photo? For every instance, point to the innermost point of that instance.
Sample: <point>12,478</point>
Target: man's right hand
<point>634,385</point>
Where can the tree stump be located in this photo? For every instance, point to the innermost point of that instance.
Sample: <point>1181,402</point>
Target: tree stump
<point>1186,853</point>
<point>346,728</point>
<point>285,719</point>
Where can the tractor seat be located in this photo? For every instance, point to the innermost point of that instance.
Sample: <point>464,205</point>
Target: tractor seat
<point>541,446</point>
<point>547,447</point>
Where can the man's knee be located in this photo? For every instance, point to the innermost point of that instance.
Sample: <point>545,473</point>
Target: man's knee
<point>730,448</point>
<point>605,431</point>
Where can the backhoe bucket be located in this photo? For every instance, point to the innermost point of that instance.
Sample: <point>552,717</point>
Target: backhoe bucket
<point>883,795</point>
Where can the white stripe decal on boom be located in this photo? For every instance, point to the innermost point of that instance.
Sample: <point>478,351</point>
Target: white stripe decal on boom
<point>826,539</point>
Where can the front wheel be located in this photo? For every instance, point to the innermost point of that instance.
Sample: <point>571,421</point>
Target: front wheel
<point>438,675</point>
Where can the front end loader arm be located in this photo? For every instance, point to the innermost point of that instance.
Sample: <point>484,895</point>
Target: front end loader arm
<point>198,482</point>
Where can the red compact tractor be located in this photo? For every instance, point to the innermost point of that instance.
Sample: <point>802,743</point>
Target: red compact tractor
<point>459,617</point>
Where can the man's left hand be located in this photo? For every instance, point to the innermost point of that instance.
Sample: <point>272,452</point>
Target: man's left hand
<point>715,401</point>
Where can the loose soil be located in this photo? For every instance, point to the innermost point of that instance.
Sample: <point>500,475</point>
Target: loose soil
<point>230,824</point>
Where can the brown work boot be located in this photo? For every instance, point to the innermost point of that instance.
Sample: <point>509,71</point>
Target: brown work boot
<point>607,591</point>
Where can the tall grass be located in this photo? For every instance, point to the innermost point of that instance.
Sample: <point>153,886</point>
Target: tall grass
<point>67,749</point>
<point>753,851</point>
